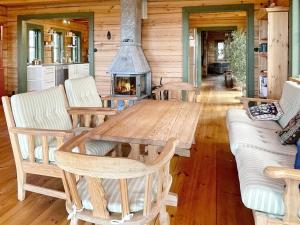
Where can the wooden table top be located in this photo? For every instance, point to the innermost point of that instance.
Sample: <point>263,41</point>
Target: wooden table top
<point>152,122</point>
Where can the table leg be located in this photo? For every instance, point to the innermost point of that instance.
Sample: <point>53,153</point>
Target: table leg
<point>152,153</point>
<point>135,151</point>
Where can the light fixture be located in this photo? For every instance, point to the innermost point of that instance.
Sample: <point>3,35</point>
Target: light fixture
<point>65,21</point>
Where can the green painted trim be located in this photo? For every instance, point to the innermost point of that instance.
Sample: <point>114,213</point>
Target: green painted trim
<point>249,8</point>
<point>21,27</point>
<point>295,38</point>
<point>41,29</point>
<point>290,38</point>
<point>198,57</point>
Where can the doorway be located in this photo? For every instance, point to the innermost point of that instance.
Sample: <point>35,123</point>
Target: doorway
<point>213,19</point>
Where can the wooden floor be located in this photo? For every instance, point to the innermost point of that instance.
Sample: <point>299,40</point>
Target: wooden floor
<point>206,183</point>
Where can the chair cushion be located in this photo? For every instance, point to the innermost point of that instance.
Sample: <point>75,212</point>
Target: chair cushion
<point>244,135</point>
<point>289,102</point>
<point>240,115</point>
<point>136,187</point>
<point>258,191</point>
<point>82,92</point>
<point>93,147</point>
<point>45,110</point>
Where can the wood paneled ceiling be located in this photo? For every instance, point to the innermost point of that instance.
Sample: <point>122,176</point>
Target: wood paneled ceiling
<point>199,2</point>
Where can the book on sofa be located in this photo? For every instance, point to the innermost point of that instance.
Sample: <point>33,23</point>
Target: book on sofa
<point>270,111</point>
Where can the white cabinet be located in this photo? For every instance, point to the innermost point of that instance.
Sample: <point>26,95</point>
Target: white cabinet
<point>40,77</point>
<point>78,70</point>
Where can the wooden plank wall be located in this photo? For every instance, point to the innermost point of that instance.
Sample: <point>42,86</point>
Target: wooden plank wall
<point>161,35</point>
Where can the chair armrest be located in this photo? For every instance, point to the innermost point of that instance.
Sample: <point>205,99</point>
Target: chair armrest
<point>258,100</point>
<point>118,98</point>
<point>42,132</point>
<point>291,196</point>
<point>282,173</point>
<point>91,111</point>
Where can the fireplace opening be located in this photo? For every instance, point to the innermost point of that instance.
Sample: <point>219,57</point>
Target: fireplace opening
<point>134,85</point>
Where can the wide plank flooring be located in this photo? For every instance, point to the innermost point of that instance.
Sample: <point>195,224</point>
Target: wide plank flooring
<point>206,183</point>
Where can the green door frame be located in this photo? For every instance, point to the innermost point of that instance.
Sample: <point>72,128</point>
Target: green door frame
<point>21,37</point>
<point>249,9</point>
<point>199,49</point>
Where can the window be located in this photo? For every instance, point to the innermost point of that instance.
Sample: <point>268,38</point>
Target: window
<point>220,50</point>
<point>76,48</point>
<point>57,47</point>
<point>34,45</point>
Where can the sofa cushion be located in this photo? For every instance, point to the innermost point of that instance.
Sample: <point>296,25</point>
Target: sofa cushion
<point>245,135</point>
<point>268,111</point>
<point>289,102</point>
<point>240,115</point>
<point>44,110</point>
<point>136,187</point>
<point>82,92</point>
<point>258,191</point>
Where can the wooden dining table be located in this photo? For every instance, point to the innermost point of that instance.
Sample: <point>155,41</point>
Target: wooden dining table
<point>152,123</point>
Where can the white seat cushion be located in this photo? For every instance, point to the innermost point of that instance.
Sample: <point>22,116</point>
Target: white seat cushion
<point>45,110</point>
<point>244,135</point>
<point>93,147</point>
<point>289,102</point>
<point>136,187</point>
<point>82,92</point>
<point>258,191</point>
<point>240,115</point>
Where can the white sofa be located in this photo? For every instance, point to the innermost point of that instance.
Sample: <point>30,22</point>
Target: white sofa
<point>258,153</point>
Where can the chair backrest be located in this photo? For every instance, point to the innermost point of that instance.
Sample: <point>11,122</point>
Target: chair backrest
<point>289,102</point>
<point>45,110</point>
<point>154,179</point>
<point>177,91</point>
<point>82,92</point>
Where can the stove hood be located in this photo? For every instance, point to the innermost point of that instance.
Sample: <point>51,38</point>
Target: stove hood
<point>130,59</point>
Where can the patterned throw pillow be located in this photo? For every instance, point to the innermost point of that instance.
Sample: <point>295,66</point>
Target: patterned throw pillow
<point>270,111</point>
<point>291,133</point>
<point>297,160</point>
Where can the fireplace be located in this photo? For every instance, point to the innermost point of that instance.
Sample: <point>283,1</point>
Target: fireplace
<point>133,85</point>
<point>130,71</point>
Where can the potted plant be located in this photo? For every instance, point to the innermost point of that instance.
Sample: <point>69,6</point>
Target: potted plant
<point>235,51</point>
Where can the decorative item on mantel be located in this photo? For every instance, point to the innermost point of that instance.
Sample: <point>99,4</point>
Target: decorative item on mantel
<point>130,71</point>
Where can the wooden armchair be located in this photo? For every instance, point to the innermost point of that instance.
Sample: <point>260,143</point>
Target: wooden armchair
<point>175,91</point>
<point>38,123</point>
<point>115,190</point>
<point>82,92</point>
<point>291,197</point>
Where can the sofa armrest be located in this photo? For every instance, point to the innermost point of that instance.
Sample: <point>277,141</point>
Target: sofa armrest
<point>291,195</point>
<point>282,173</point>
<point>246,101</point>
